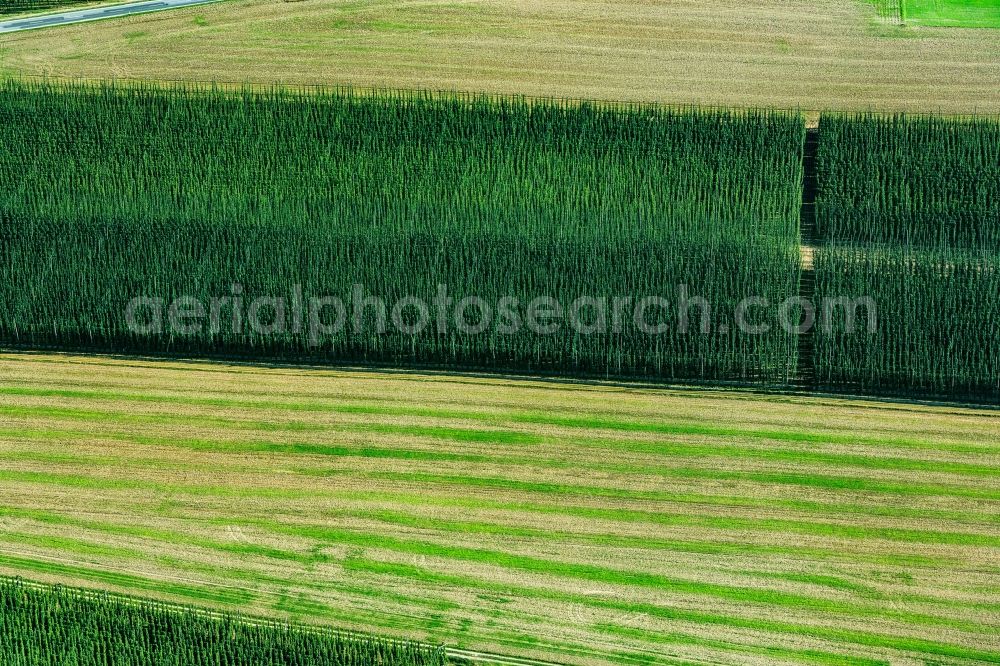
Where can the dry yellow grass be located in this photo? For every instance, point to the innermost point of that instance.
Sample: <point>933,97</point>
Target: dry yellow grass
<point>809,54</point>
<point>582,523</point>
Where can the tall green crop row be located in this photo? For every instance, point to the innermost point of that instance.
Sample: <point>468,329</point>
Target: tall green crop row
<point>53,626</point>
<point>909,211</point>
<point>109,194</point>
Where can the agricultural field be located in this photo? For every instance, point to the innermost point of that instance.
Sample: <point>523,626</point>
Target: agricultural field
<point>584,523</point>
<point>115,630</point>
<point>909,180</point>
<point>157,193</point>
<point>399,195</point>
<point>443,257</point>
<point>907,213</point>
<point>808,54</point>
<point>941,13</point>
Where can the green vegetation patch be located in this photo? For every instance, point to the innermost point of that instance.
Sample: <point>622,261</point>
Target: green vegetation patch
<point>941,13</point>
<point>926,182</point>
<point>954,13</point>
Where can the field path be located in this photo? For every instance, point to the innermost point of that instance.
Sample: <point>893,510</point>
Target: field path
<point>556,521</point>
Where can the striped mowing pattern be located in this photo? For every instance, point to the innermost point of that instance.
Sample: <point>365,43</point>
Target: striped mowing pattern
<point>170,192</point>
<point>557,521</point>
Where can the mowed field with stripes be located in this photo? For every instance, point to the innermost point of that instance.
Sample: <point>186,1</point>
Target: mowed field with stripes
<point>582,523</point>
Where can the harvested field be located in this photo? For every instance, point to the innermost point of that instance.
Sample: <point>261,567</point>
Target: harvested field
<point>810,54</point>
<point>577,522</point>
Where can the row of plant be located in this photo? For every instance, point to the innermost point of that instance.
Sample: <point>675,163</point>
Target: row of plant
<point>45,625</point>
<point>111,194</point>
<point>890,9</point>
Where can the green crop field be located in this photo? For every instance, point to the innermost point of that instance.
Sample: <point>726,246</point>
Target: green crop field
<point>360,333</point>
<point>588,524</point>
<point>922,181</point>
<point>170,193</point>
<point>937,321</point>
<point>942,13</point>
<point>889,9</point>
<point>907,212</point>
<point>57,625</point>
<point>207,194</point>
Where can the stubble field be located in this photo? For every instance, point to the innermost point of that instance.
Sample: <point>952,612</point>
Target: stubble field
<point>809,54</point>
<point>584,523</point>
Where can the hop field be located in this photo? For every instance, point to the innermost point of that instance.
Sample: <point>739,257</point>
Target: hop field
<point>186,193</point>
<point>914,181</point>
<point>890,9</point>
<point>909,212</point>
<point>938,323</point>
<point>168,193</point>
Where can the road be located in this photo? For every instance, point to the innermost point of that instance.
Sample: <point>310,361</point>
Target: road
<point>94,14</point>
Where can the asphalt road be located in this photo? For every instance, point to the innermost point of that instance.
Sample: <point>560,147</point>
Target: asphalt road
<point>94,14</point>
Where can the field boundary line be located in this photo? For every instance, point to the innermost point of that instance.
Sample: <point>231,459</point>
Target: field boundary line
<point>732,390</point>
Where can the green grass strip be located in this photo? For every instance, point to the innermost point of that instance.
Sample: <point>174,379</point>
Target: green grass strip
<point>227,596</point>
<point>519,417</point>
